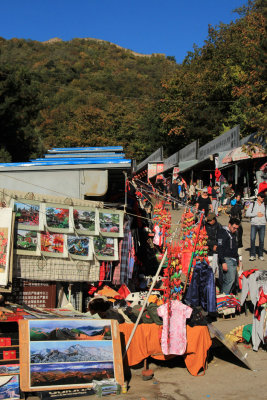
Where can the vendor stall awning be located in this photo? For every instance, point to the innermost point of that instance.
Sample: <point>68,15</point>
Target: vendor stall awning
<point>185,165</point>
<point>239,154</point>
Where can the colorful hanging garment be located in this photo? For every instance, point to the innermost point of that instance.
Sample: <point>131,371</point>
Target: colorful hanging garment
<point>173,339</point>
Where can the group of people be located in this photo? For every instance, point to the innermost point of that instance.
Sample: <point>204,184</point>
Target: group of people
<point>225,243</point>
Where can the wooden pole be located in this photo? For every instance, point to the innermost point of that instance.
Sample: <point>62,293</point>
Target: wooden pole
<point>145,302</point>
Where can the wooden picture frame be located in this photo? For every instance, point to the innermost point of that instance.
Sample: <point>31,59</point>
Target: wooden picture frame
<point>39,356</point>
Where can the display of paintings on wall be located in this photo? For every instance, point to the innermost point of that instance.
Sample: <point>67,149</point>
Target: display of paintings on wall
<point>5,243</point>
<point>58,218</point>
<point>106,248</point>
<point>84,220</point>
<point>53,244</point>
<point>69,353</point>
<point>27,242</point>
<point>28,214</point>
<point>9,387</point>
<point>80,247</point>
<point>110,223</point>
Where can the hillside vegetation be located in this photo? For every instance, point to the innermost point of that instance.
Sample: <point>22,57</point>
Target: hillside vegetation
<point>94,93</point>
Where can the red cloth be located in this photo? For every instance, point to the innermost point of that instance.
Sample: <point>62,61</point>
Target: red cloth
<point>146,343</point>
<point>262,186</point>
<point>124,291</point>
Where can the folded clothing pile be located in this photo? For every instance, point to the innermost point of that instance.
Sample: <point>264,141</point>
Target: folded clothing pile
<point>227,304</point>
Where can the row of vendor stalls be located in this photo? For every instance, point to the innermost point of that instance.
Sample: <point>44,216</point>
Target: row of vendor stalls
<point>241,161</point>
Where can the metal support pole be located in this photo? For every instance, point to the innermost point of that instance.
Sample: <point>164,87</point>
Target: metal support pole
<point>145,302</point>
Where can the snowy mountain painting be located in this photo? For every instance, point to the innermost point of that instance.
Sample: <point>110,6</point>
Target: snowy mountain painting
<point>70,351</point>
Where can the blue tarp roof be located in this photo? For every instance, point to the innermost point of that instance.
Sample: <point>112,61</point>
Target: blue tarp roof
<point>84,149</point>
<point>77,156</point>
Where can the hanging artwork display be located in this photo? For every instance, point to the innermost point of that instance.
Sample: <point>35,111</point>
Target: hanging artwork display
<point>106,248</point>
<point>70,353</point>
<point>58,218</point>
<point>110,223</point>
<point>6,245</point>
<point>80,247</point>
<point>27,242</point>
<point>53,244</point>
<point>28,214</point>
<point>84,220</point>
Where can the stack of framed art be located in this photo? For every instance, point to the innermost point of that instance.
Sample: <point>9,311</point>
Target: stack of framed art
<point>69,353</point>
<point>75,232</point>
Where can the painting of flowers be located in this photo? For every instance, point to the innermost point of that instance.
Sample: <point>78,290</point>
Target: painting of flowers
<point>3,248</point>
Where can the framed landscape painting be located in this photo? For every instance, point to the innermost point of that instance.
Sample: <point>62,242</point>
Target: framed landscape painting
<point>28,214</point>
<point>84,220</point>
<point>110,223</point>
<point>80,247</point>
<point>27,242</point>
<point>58,218</point>
<point>69,353</point>
<point>106,248</point>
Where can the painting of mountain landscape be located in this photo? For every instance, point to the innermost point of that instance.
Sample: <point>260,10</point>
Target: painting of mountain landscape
<point>70,351</point>
<point>43,375</point>
<point>44,330</point>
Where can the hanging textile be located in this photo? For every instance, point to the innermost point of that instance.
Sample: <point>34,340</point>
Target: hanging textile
<point>173,339</point>
<point>201,291</point>
<point>125,249</point>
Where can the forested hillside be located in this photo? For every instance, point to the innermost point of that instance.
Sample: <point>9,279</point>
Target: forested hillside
<point>90,93</point>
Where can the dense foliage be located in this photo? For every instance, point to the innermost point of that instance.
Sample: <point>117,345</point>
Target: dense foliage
<point>221,84</point>
<point>93,93</point>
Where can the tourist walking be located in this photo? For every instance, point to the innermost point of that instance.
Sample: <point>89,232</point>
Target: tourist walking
<point>215,198</point>
<point>258,217</point>
<point>174,194</point>
<point>228,255</point>
<point>203,202</point>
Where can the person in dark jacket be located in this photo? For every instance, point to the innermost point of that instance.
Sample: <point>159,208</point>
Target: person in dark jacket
<point>212,228</point>
<point>228,255</point>
<point>174,194</point>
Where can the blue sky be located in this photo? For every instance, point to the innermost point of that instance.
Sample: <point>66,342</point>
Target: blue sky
<point>145,26</point>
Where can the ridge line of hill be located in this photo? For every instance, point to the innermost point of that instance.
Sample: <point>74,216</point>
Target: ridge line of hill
<point>56,40</point>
